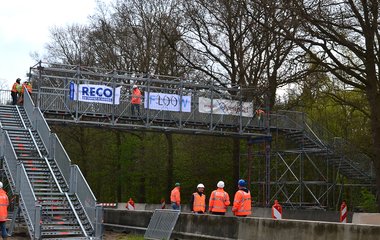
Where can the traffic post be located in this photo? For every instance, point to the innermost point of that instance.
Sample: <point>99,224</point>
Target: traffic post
<point>343,213</point>
<point>276,210</point>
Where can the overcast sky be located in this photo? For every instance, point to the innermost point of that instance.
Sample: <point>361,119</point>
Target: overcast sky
<point>24,29</point>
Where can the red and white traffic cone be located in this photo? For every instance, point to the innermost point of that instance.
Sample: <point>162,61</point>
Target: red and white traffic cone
<point>276,210</point>
<point>343,213</point>
<point>163,204</point>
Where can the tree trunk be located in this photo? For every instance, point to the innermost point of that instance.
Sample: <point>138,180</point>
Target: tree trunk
<point>169,167</point>
<point>118,170</point>
<point>235,160</point>
<point>374,100</point>
<point>142,189</point>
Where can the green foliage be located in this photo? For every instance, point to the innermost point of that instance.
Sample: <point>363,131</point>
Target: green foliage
<point>119,165</point>
<point>368,201</point>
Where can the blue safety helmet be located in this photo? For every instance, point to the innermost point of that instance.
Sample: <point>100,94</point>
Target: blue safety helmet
<point>242,183</point>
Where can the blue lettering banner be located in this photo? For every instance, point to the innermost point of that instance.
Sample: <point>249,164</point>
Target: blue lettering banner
<point>94,93</point>
<point>167,102</point>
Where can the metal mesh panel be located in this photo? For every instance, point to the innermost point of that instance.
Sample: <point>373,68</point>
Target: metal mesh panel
<point>161,224</point>
<point>80,186</point>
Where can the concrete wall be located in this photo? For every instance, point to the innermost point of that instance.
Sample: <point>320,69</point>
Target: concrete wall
<point>192,226</point>
<point>297,214</point>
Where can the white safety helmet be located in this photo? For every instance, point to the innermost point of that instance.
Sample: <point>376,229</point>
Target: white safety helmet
<point>201,185</point>
<point>1,185</point>
<point>220,184</point>
<point>134,86</point>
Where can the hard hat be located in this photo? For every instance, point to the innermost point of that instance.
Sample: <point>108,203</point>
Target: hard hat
<point>18,80</point>
<point>134,86</point>
<point>242,183</point>
<point>177,184</point>
<point>220,184</point>
<point>201,185</point>
<point>1,185</point>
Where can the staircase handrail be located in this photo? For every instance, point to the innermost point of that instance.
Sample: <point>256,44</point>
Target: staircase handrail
<point>10,158</point>
<point>76,215</point>
<point>315,136</point>
<point>329,140</point>
<point>85,196</point>
<point>22,120</point>
<point>286,123</point>
<point>35,143</point>
<point>37,119</point>
<point>28,103</point>
<point>30,202</point>
<point>59,154</point>
<point>53,175</point>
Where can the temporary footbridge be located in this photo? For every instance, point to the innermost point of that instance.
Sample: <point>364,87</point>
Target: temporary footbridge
<point>72,94</point>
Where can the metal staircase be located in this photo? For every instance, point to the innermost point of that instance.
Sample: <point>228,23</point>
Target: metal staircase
<point>49,201</point>
<point>311,138</point>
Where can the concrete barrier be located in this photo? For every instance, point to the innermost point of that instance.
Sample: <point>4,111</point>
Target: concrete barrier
<point>366,218</point>
<point>192,226</point>
<point>296,214</point>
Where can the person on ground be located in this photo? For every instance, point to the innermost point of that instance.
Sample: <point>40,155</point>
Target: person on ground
<point>242,200</point>
<point>198,200</point>
<point>4,202</point>
<point>219,200</point>
<point>15,91</point>
<point>175,197</point>
<point>135,100</point>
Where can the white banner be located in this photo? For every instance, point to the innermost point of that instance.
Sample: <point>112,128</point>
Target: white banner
<point>225,107</point>
<point>167,102</point>
<point>94,93</point>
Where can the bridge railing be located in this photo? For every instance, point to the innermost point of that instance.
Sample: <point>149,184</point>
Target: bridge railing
<point>5,97</point>
<point>53,84</point>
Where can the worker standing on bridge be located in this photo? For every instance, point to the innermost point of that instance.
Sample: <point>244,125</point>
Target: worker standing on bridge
<point>175,197</point>
<point>15,91</point>
<point>135,100</point>
<point>198,200</point>
<point>242,200</point>
<point>4,202</point>
<point>219,200</point>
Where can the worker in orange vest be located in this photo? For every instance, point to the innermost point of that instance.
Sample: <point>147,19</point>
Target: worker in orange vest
<point>4,202</point>
<point>28,87</point>
<point>130,204</point>
<point>15,90</point>
<point>219,200</point>
<point>198,200</point>
<point>136,100</point>
<point>242,200</point>
<point>175,197</point>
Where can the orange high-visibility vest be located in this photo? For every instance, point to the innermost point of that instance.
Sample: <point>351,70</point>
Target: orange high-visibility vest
<point>4,202</point>
<point>29,87</point>
<point>175,196</point>
<point>14,87</point>
<point>242,203</point>
<point>199,204</point>
<point>136,96</point>
<point>219,200</point>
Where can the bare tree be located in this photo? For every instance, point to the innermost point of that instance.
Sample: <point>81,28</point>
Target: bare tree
<point>69,45</point>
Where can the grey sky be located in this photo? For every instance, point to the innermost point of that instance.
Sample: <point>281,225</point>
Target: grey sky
<point>24,29</point>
